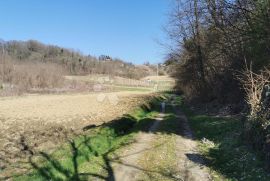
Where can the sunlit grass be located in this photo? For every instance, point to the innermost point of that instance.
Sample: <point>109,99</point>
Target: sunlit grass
<point>229,157</point>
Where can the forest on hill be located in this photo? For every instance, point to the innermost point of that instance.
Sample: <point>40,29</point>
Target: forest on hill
<point>30,64</point>
<point>73,61</point>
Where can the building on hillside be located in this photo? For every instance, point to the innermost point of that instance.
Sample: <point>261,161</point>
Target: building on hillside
<point>104,58</point>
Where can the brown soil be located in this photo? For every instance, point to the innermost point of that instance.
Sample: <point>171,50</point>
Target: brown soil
<point>33,123</point>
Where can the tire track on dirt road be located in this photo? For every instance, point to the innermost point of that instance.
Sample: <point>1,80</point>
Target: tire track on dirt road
<point>190,164</point>
<point>127,168</point>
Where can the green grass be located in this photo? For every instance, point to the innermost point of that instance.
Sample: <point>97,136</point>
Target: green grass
<point>90,155</point>
<point>229,157</point>
<point>128,88</point>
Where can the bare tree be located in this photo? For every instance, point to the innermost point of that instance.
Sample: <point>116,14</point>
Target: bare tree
<point>254,86</point>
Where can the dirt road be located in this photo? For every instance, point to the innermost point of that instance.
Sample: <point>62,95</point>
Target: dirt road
<point>143,160</point>
<point>127,168</point>
<point>190,163</point>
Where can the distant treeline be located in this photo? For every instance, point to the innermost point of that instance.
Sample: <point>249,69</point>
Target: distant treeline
<point>72,61</point>
<point>28,65</point>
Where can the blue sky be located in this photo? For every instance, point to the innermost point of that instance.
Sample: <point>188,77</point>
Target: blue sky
<point>127,29</point>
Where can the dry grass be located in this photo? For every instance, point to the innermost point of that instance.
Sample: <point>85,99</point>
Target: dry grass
<point>150,83</point>
<point>17,78</point>
<point>111,80</point>
<point>159,78</point>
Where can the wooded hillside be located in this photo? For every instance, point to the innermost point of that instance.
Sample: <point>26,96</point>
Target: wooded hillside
<point>72,61</point>
<point>30,64</point>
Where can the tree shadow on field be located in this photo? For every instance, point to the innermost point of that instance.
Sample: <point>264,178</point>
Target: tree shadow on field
<point>197,158</point>
<point>91,156</point>
<point>55,169</point>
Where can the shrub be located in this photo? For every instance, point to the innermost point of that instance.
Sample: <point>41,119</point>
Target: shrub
<point>257,127</point>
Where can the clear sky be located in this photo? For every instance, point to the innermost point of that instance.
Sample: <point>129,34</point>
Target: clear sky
<point>127,29</point>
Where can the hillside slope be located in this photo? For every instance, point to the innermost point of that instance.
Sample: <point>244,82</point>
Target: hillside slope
<point>72,61</point>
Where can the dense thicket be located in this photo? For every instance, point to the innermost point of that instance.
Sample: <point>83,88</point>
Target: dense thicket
<point>220,53</point>
<point>212,40</point>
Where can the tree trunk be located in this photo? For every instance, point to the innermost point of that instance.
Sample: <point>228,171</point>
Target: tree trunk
<point>198,42</point>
